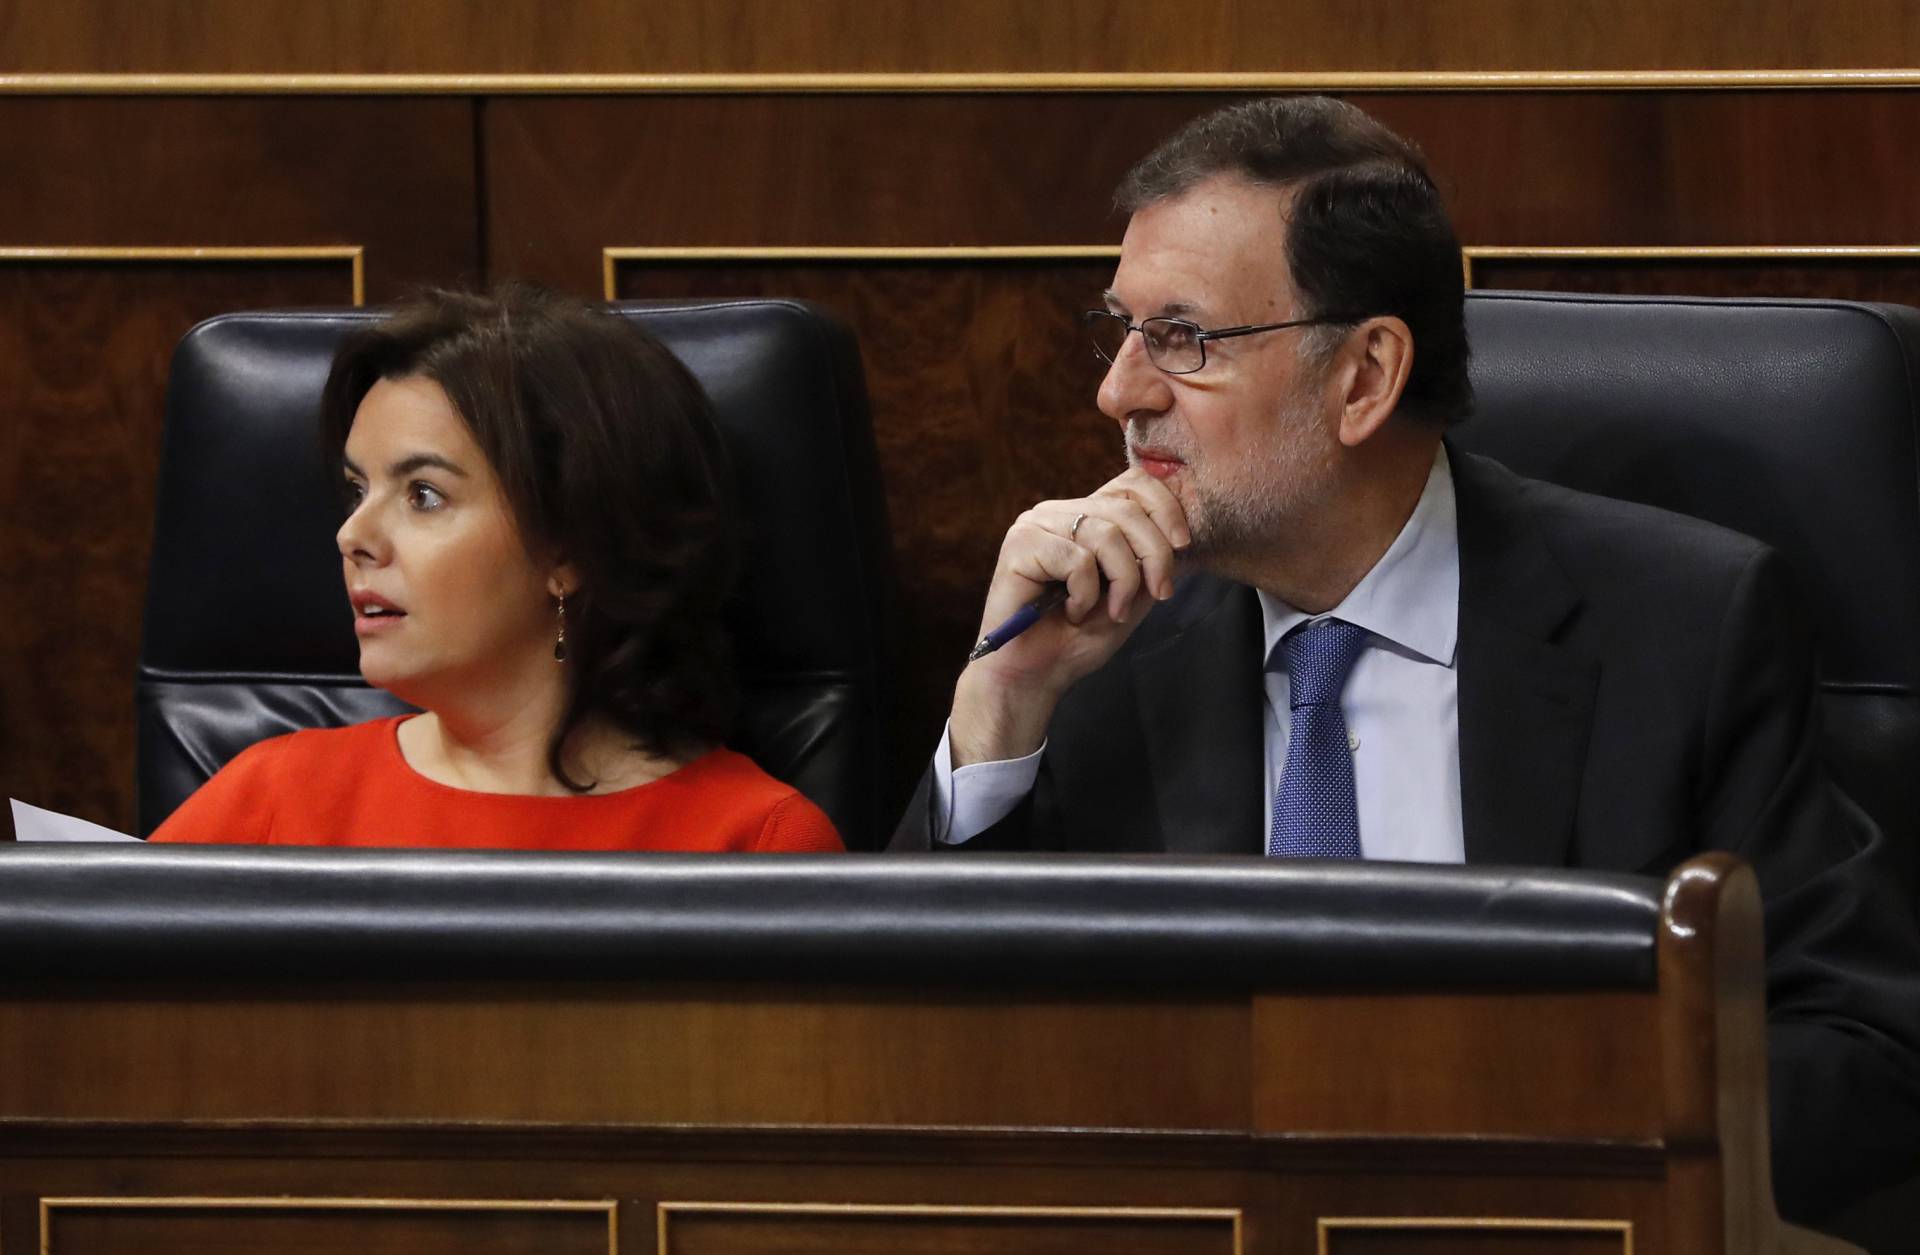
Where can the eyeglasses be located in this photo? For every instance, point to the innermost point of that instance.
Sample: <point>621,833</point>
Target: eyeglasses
<point>1175,345</point>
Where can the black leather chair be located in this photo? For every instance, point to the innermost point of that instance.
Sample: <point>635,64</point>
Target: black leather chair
<point>247,633</point>
<point>1793,421</point>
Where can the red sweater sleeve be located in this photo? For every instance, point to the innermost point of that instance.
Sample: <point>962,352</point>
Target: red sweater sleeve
<point>796,826</point>
<point>236,807</point>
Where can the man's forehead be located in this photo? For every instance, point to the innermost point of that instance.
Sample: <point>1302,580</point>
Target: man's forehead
<point>1218,247</point>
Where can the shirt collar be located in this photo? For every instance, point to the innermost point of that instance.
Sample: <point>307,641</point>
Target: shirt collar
<point>1411,597</point>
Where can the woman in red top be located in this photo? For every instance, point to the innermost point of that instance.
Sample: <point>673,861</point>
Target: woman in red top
<point>538,542</point>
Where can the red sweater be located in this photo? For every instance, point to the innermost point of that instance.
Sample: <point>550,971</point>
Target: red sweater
<point>351,786</point>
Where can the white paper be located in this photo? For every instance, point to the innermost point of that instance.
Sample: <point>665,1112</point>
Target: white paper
<point>31,823</point>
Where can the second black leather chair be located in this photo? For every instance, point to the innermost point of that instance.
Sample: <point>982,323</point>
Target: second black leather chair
<point>248,633</point>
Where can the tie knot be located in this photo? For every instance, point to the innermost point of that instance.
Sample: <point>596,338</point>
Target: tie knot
<point>1318,657</point>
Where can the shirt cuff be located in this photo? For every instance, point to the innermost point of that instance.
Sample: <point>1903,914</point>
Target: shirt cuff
<point>974,798</point>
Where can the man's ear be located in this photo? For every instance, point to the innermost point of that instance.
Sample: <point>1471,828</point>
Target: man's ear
<point>1379,358</point>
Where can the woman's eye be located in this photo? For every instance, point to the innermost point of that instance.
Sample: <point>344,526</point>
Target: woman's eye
<point>354,491</point>
<point>424,497</point>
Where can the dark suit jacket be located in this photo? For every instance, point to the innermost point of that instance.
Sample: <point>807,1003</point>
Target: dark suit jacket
<point>1634,687</point>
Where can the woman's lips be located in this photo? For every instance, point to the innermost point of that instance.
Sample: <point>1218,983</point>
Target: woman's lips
<point>374,614</point>
<point>365,625</point>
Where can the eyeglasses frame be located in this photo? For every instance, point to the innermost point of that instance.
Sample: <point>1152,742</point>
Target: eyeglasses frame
<point>1201,335</point>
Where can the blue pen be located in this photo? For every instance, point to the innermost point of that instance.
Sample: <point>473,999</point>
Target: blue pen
<point>1020,620</point>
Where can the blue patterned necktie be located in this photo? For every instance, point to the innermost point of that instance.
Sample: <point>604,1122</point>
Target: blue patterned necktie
<point>1314,811</point>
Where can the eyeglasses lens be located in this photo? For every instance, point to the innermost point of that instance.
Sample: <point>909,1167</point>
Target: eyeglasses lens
<point>1108,332</point>
<point>1173,345</point>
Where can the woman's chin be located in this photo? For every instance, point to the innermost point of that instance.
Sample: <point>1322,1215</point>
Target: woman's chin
<point>382,674</point>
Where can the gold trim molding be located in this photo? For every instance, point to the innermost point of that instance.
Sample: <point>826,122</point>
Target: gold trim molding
<point>353,254</point>
<point>1229,1215</point>
<point>1715,252</point>
<point>607,1207</point>
<point>1476,1224</point>
<point>36,84</point>
<point>610,258</point>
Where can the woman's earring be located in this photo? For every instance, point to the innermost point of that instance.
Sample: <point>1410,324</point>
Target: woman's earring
<point>560,637</point>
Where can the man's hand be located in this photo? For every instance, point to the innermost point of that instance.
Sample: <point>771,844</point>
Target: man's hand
<point>1127,535</point>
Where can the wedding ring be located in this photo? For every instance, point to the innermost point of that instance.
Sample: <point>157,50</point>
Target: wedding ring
<point>1073,529</point>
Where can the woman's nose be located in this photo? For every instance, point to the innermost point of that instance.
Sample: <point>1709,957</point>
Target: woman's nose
<point>358,536</point>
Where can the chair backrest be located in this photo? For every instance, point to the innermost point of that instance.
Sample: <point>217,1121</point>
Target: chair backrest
<point>248,635</point>
<point>1793,421</point>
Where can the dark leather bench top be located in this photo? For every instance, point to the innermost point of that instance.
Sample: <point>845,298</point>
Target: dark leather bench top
<point>127,911</point>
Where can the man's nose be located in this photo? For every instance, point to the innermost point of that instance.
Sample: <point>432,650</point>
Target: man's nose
<point>1133,384</point>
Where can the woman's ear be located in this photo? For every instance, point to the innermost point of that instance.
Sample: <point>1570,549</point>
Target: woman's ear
<point>1383,349</point>
<point>563,581</point>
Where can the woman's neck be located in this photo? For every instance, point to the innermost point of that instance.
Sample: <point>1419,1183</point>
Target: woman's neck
<point>509,754</point>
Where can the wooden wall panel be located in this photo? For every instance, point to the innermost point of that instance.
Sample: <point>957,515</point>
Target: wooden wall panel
<point>84,347</point>
<point>318,1227</point>
<point>840,36</point>
<point>393,176</point>
<point>1517,1237</point>
<point>83,369</point>
<point>691,1229</point>
<point>1587,168</point>
<point>568,176</point>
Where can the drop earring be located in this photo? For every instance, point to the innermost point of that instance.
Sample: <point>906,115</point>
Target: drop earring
<point>560,635</point>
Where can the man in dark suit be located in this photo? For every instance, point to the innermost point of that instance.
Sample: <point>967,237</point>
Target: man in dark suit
<point>1378,646</point>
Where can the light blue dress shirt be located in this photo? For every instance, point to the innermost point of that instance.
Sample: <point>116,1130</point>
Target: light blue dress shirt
<point>1401,702</point>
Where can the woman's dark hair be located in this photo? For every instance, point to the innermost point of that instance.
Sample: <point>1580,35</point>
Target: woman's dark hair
<point>1367,235</point>
<point>608,453</point>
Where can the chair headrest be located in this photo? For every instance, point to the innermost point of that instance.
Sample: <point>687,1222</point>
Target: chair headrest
<point>1789,420</point>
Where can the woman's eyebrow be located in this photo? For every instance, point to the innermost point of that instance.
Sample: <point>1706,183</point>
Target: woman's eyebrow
<point>420,461</point>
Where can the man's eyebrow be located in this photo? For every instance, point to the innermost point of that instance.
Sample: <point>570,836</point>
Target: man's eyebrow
<point>1172,309</point>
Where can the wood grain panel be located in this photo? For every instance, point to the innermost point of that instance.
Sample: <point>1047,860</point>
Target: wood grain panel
<point>83,365</point>
<point>1281,1187</point>
<point>981,387</point>
<point>1517,1237</point>
<point>719,36</point>
<point>690,1229</point>
<point>567,177</point>
<point>395,176</point>
<point>1457,1074</point>
<point>1598,168</point>
<point>207,1227</point>
<point>601,1054</point>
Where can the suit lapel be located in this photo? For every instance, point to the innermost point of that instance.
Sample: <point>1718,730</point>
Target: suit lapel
<point>1200,696</point>
<point>1526,701</point>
